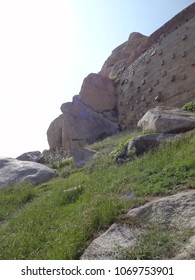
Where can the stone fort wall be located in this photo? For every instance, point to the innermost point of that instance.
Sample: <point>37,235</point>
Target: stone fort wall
<point>164,74</point>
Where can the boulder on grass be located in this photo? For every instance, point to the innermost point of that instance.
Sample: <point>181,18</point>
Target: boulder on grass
<point>164,119</point>
<point>145,143</point>
<point>175,211</point>
<point>13,171</point>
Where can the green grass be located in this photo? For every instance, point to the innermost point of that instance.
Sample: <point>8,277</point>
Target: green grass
<point>159,243</point>
<point>58,219</point>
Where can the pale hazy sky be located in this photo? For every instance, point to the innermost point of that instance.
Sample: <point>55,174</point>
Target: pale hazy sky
<point>47,48</point>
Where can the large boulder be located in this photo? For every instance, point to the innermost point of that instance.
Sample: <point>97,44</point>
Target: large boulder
<point>98,93</point>
<point>165,119</point>
<point>82,124</point>
<point>54,133</point>
<point>173,211</point>
<point>35,156</point>
<point>13,171</point>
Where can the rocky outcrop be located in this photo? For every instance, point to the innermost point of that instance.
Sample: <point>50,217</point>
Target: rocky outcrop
<point>177,211</point>
<point>77,126</point>
<point>35,156</point>
<point>13,171</point>
<point>167,120</point>
<point>139,75</point>
<point>117,60</point>
<point>98,93</point>
<point>82,124</point>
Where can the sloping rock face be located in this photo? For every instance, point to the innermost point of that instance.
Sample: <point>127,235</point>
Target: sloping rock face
<point>174,211</point>
<point>167,120</point>
<point>13,171</point>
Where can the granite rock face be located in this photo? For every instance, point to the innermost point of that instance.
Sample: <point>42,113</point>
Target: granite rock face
<point>83,125</point>
<point>98,93</point>
<point>164,119</point>
<point>110,245</point>
<point>173,211</point>
<point>13,171</point>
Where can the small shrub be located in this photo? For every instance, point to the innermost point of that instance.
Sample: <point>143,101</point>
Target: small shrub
<point>189,107</point>
<point>121,150</point>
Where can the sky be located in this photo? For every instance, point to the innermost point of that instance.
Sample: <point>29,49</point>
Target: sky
<point>47,48</point>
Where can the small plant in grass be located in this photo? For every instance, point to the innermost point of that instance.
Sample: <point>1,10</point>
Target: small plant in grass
<point>189,107</point>
<point>122,152</point>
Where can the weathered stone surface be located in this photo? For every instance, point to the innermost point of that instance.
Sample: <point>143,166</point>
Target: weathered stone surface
<point>174,211</point>
<point>13,171</point>
<point>167,120</point>
<point>83,125</point>
<point>188,252</point>
<point>122,53</point>
<point>143,144</point>
<point>65,107</point>
<point>177,210</point>
<point>54,133</point>
<point>98,93</point>
<point>110,245</point>
<point>35,156</point>
<point>81,156</point>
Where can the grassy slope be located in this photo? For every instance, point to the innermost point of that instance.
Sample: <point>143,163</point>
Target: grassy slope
<point>49,222</point>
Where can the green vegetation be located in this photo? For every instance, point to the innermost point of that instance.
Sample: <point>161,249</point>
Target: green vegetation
<point>58,219</point>
<point>189,107</point>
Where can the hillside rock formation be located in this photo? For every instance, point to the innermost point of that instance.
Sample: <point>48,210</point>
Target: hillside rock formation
<point>177,211</point>
<point>139,75</point>
<point>13,171</point>
<point>79,124</point>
